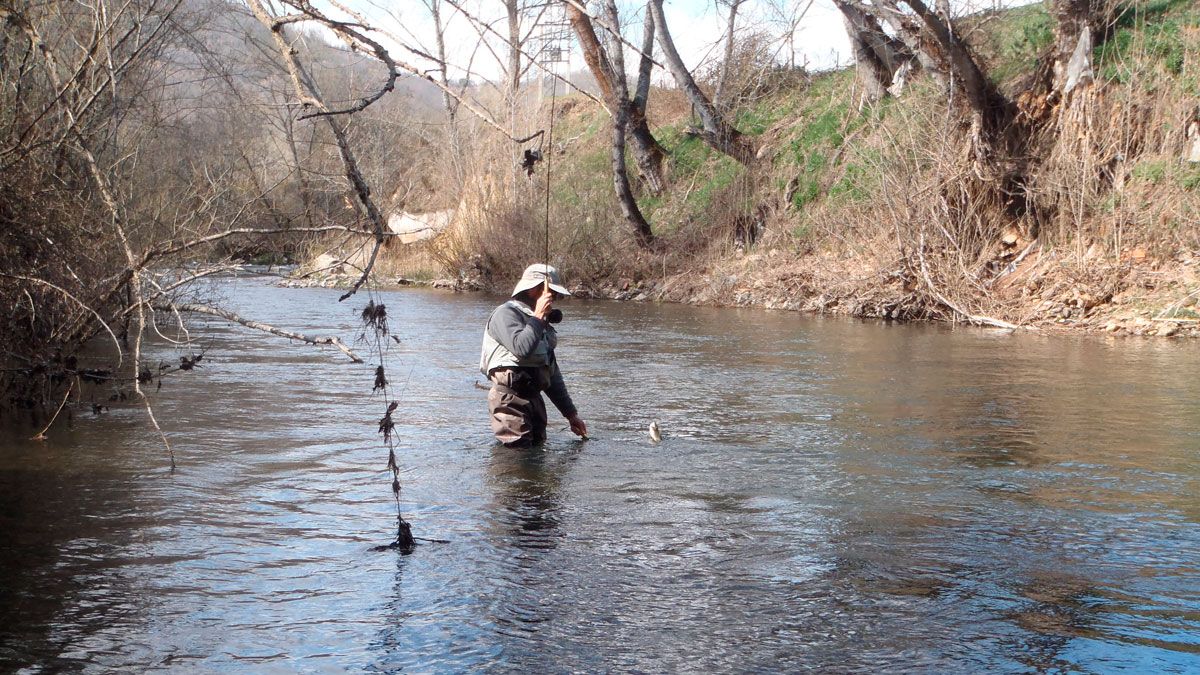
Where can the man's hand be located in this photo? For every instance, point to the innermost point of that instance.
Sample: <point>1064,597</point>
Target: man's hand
<point>544,304</point>
<point>578,426</point>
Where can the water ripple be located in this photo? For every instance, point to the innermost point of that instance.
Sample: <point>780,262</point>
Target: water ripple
<point>828,496</point>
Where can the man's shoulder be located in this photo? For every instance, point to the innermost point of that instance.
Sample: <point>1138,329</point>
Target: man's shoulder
<point>515,307</point>
<point>507,313</point>
<point>506,307</point>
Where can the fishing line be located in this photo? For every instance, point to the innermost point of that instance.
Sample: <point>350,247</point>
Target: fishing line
<point>549,159</point>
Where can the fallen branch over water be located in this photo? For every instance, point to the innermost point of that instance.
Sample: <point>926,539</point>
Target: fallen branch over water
<point>258,325</point>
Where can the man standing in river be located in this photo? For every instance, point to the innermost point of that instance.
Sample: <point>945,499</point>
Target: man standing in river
<point>518,359</point>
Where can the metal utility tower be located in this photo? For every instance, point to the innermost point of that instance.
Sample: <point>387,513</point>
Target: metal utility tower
<point>552,45</point>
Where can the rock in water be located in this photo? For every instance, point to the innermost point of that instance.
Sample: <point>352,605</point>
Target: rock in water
<point>655,435</point>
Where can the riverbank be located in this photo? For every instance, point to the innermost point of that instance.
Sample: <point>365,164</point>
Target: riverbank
<point>1137,296</point>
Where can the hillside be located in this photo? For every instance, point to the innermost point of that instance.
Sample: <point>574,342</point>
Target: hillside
<point>845,198</point>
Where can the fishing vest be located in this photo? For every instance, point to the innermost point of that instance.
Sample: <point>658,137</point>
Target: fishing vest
<point>496,355</point>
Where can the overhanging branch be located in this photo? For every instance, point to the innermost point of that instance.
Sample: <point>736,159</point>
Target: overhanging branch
<point>331,340</point>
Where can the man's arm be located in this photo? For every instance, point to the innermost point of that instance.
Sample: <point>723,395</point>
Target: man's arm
<point>557,393</point>
<point>562,400</point>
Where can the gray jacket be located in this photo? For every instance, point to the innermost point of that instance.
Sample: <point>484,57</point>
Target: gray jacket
<point>515,338</point>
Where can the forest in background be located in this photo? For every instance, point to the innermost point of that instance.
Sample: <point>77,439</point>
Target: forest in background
<point>1025,166</point>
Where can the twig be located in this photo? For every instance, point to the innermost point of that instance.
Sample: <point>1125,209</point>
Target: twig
<point>366,271</point>
<point>41,435</point>
<point>258,325</point>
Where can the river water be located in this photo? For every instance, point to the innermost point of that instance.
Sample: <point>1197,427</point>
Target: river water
<point>828,495</point>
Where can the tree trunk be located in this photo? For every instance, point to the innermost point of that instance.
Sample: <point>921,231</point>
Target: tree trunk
<point>301,174</point>
<point>629,207</point>
<point>611,83</point>
<point>717,132</point>
<point>878,57</point>
<point>439,32</point>
<point>723,79</point>
<point>513,78</point>
<point>647,151</point>
<point>1076,34</point>
<point>451,106</point>
<point>993,109</point>
<point>513,71</point>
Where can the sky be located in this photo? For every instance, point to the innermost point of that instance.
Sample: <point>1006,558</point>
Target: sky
<point>696,26</point>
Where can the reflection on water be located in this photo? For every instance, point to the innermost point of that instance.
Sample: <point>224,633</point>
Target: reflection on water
<point>527,486</point>
<point>827,496</point>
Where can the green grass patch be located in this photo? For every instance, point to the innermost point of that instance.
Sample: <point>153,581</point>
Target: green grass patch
<point>824,122</point>
<point>649,205</point>
<point>858,182</point>
<point>584,125</point>
<point>1161,171</point>
<point>582,173</point>
<point>1159,34</point>
<point>756,119</point>
<point>724,172</point>
<point>685,154</point>
<point>1189,178</point>
<point>1153,171</point>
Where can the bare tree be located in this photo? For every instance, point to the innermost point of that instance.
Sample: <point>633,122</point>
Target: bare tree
<point>1001,131</point>
<point>610,77</point>
<point>715,127</point>
<point>442,66</point>
<point>647,151</point>
<point>727,63</point>
<point>932,35</point>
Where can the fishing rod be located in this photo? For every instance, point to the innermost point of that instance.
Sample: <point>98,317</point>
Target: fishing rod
<point>549,161</point>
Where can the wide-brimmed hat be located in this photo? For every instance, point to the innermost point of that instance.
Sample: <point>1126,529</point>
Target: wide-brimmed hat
<point>536,275</point>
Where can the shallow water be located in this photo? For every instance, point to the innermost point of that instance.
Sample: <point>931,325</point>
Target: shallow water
<point>828,495</point>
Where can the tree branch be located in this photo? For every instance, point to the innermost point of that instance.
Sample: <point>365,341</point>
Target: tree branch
<point>258,325</point>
